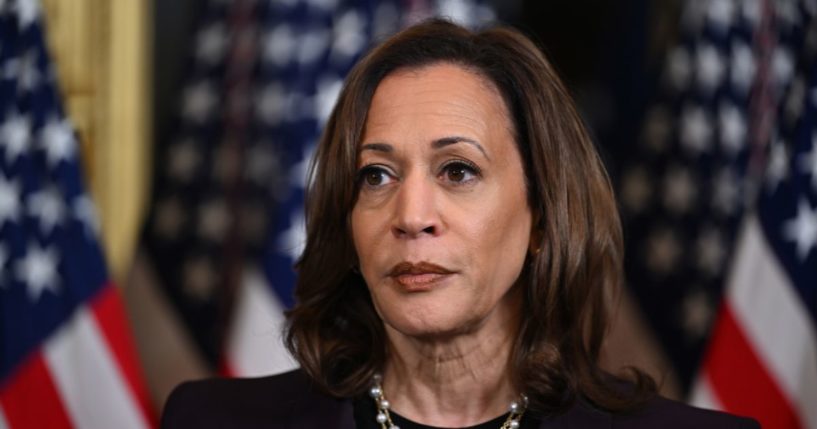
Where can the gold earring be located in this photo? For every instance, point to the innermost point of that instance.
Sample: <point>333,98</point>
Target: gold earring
<point>535,245</point>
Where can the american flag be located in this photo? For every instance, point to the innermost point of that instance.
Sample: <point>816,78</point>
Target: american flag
<point>66,358</point>
<point>227,223</point>
<point>762,360</point>
<point>695,172</point>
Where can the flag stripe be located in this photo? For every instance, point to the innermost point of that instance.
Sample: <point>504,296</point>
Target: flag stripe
<point>109,310</point>
<point>775,319</point>
<point>4,424</point>
<point>255,344</point>
<point>741,381</point>
<point>86,376</point>
<point>703,395</point>
<point>31,400</point>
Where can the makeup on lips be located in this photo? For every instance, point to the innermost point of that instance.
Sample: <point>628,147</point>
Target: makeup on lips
<point>418,277</point>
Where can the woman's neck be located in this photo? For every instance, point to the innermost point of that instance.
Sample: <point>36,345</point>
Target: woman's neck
<point>457,381</point>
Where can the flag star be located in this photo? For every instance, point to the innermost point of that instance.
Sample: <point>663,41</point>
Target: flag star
<point>227,163</point>
<point>25,70</point>
<point>271,103</point>
<point>349,37</point>
<point>169,218</point>
<point>38,271</point>
<point>292,241</point>
<point>58,141</point>
<point>254,223</point>
<point>794,102</point>
<point>9,200</point>
<point>710,251</point>
<point>679,190</point>
<point>262,163</point>
<point>328,91</point>
<point>199,278</point>
<point>11,69</point>
<point>663,251</point>
<point>802,230</point>
<point>726,192</point>
<point>808,161</point>
<point>48,206</point>
<point>658,128</point>
<point>710,67</point>
<point>750,10</point>
<point>679,68</point>
<point>85,212</point>
<point>696,130</point>
<point>312,45</point>
<point>636,190</point>
<point>720,14</point>
<point>778,167</point>
<point>279,45</point>
<point>211,43</point>
<point>214,220</point>
<point>183,159</point>
<point>782,66</point>
<point>199,102</point>
<point>732,128</point>
<point>27,12</point>
<point>742,66</point>
<point>786,13</point>
<point>15,135</point>
<point>697,314</point>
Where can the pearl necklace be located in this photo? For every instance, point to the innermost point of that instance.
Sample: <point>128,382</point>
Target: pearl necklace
<point>383,418</point>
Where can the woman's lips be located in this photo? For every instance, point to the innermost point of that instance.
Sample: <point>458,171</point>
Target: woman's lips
<point>418,276</point>
<point>419,281</point>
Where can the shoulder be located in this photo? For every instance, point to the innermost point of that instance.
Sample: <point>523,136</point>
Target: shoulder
<point>665,413</point>
<point>279,401</point>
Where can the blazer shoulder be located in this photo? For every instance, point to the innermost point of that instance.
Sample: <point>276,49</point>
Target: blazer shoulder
<point>669,414</point>
<point>278,401</point>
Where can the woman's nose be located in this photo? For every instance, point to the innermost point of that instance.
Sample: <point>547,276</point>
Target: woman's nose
<point>416,213</point>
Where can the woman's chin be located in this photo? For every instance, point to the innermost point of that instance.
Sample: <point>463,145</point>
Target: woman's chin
<point>430,326</point>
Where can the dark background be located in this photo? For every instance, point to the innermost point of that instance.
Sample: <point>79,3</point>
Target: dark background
<point>608,54</point>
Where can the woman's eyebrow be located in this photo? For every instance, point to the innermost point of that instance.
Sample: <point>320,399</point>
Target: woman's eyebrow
<point>447,141</point>
<point>379,147</point>
<point>436,144</point>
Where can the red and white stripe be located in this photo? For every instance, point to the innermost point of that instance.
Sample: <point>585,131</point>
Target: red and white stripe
<point>762,360</point>
<point>255,344</point>
<point>85,375</point>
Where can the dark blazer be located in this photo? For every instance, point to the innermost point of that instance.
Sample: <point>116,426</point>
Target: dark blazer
<point>289,401</point>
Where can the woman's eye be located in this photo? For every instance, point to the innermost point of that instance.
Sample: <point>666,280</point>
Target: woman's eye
<point>373,176</point>
<point>459,172</point>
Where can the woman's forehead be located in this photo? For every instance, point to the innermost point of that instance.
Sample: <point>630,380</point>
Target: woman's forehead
<point>438,99</point>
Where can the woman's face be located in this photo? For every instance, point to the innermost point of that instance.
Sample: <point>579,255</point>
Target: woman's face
<point>441,224</point>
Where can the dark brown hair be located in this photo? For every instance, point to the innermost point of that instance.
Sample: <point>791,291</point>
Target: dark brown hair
<point>568,281</point>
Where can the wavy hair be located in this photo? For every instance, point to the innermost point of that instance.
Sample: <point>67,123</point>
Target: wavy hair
<point>569,282</point>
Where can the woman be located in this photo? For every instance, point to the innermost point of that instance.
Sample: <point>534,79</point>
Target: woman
<point>463,246</point>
